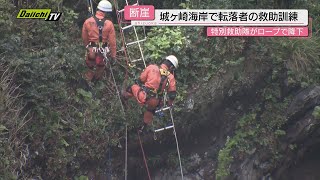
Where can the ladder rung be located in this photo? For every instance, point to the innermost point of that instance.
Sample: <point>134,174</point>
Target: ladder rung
<point>121,50</point>
<point>163,109</point>
<point>161,129</point>
<point>128,44</point>
<point>136,60</point>
<point>126,27</point>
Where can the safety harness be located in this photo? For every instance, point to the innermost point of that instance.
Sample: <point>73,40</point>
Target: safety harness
<point>157,93</point>
<point>101,47</point>
<point>164,77</point>
<point>100,25</point>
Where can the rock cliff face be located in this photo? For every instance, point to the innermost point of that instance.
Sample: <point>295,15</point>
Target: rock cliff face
<point>216,120</point>
<point>205,125</point>
<point>211,113</point>
<point>302,130</point>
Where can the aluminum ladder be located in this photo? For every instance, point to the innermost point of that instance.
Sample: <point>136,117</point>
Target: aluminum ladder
<point>128,47</point>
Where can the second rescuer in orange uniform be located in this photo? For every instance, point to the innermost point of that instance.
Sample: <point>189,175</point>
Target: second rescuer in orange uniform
<point>90,36</point>
<point>148,90</point>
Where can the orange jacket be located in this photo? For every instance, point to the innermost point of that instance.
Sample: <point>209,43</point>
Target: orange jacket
<point>151,78</point>
<point>90,32</point>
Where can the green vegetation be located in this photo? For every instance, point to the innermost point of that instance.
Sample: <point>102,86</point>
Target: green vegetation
<point>316,112</point>
<point>263,132</point>
<point>295,61</point>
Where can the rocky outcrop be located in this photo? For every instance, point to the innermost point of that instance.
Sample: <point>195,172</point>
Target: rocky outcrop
<point>216,106</point>
<point>302,133</point>
<point>211,113</point>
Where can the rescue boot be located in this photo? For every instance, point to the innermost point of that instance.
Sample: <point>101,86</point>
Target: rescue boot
<point>87,85</point>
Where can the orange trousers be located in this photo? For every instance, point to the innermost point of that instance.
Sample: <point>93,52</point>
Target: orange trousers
<point>150,103</point>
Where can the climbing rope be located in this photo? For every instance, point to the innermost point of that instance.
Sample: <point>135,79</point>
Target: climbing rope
<point>144,157</point>
<point>126,76</point>
<point>110,166</point>
<point>125,81</point>
<point>91,13</point>
<point>126,154</point>
<point>121,33</point>
<point>175,135</point>
<point>126,128</point>
<point>90,8</point>
<point>123,112</point>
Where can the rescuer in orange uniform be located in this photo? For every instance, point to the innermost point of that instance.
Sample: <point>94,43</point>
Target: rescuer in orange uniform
<point>150,86</point>
<point>98,35</point>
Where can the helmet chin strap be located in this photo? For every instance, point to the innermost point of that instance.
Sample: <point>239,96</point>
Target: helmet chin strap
<point>172,69</point>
